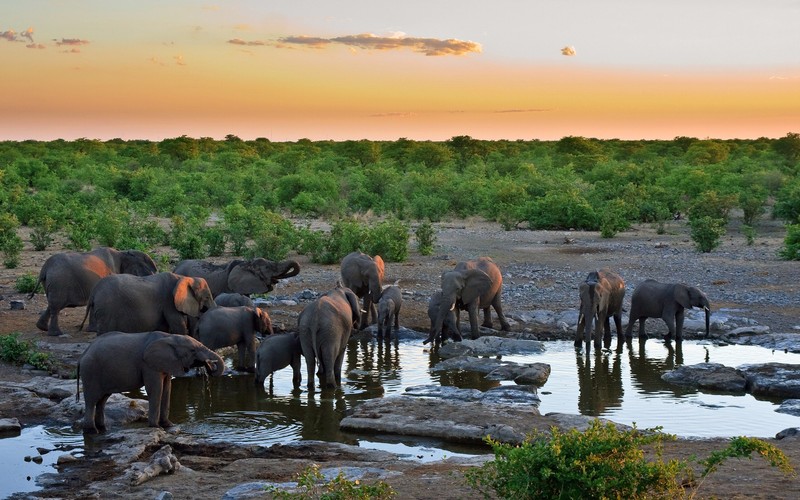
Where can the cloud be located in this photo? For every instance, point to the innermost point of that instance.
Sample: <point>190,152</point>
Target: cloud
<point>368,41</point>
<point>251,43</point>
<point>28,33</point>
<point>528,110</point>
<point>35,46</point>
<point>179,60</point>
<point>569,50</point>
<point>71,42</point>
<point>9,35</point>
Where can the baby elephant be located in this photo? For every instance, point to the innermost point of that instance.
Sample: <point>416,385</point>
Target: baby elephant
<point>276,352</point>
<point>233,300</point>
<point>119,362</point>
<point>388,308</point>
<point>449,326</point>
<point>225,326</point>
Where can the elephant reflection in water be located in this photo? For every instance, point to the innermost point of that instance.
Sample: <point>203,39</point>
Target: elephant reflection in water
<point>601,387</point>
<point>321,419</point>
<point>646,371</point>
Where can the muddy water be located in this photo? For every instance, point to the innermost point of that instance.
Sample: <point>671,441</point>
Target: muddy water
<point>623,386</point>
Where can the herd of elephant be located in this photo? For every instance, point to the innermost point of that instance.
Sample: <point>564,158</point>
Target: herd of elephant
<point>152,326</point>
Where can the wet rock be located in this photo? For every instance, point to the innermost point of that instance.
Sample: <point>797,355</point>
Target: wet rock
<point>255,489</point>
<point>497,369</point>
<point>788,342</point>
<point>791,432</point>
<point>790,407</point>
<point>748,330</point>
<point>10,426</point>
<point>490,346</point>
<point>712,376</point>
<point>16,305</point>
<point>163,461</point>
<point>506,395</point>
<point>67,458</point>
<point>773,379</point>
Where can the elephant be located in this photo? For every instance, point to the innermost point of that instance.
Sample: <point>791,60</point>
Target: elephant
<point>652,299</point>
<point>477,284</point>
<point>233,299</point>
<point>69,278</point>
<point>601,296</point>
<point>119,362</point>
<point>324,327</point>
<point>224,326</point>
<point>450,326</point>
<point>364,276</point>
<point>388,309</point>
<point>240,276</point>
<point>276,352</point>
<point>163,301</point>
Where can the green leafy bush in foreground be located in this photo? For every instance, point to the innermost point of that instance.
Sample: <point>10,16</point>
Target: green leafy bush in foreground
<point>310,486</point>
<point>15,350</point>
<point>602,462</point>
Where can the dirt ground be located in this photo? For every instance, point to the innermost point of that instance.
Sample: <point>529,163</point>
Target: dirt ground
<point>456,241</point>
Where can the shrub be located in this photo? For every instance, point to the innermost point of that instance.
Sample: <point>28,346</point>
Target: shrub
<point>615,217</point>
<point>79,235</point>
<point>10,242</point>
<point>273,235</point>
<point>791,243</point>
<point>749,234</point>
<point>14,350</point>
<point>389,239</point>
<point>235,224</point>
<point>214,239</point>
<point>42,234</point>
<point>186,238</point>
<point>426,238</point>
<point>604,462</point>
<point>561,209</point>
<point>706,232</point>
<point>310,485</point>
<point>28,283</point>
<point>712,204</point>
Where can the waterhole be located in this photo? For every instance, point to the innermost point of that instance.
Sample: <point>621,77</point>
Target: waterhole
<point>625,387</point>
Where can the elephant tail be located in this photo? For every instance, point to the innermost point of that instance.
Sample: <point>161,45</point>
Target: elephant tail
<point>39,281</point>
<point>89,306</point>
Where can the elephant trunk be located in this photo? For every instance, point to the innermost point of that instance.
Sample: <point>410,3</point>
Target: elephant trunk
<point>215,366</point>
<point>292,268</point>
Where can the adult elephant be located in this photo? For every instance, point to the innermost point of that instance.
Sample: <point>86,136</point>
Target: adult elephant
<point>163,301</point>
<point>668,301</point>
<point>601,295</point>
<point>324,327</point>
<point>119,362</point>
<point>225,326</point>
<point>239,276</point>
<point>68,278</point>
<point>364,276</point>
<point>474,284</point>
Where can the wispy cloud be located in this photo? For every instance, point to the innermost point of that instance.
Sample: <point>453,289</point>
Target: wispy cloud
<point>250,43</point>
<point>569,50</point>
<point>73,42</point>
<point>368,41</point>
<point>35,46</point>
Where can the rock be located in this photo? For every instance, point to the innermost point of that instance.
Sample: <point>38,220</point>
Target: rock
<point>790,407</point>
<point>254,490</point>
<point>773,379</point>
<point>10,426</point>
<point>792,432</point>
<point>67,458</point>
<point>17,305</point>
<point>162,462</point>
<point>713,376</point>
<point>490,346</point>
<point>748,330</point>
<point>497,369</point>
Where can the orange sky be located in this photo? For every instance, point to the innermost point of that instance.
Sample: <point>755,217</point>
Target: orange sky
<point>281,75</point>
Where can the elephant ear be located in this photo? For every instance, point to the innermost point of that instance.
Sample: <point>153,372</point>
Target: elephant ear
<point>379,265</point>
<point>184,297</point>
<point>476,282</point>
<point>166,356</point>
<point>261,321</point>
<point>681,296</point>
<point>246,279</point>
<point>352,299</point>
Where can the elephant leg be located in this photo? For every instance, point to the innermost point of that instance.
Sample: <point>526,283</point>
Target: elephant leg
<point>89,415</point>
<point>679,317</point>
<point>629,329</point>
<point>618,324</point>
<point>311,363</point>
<point>337,368</point>
<point>44,320</point>
<point>396,321</point>
<point>166,391</point>
<point>498,308</point>
<point>100,413</point>
<point>53,329</point>
<point>642,333</point>
<point>297,376</point>
<point>178,324</point>
<point>473,321</point>
<point>669,319</point>
<point>487,317</point>
<point>607,332</point>
<point>154,385</point>
<point>373,310</point>
<point>579,333</point>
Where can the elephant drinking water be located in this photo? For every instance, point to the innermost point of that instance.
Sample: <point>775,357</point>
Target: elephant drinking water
<point>364,276</point>
<point>652,299</point>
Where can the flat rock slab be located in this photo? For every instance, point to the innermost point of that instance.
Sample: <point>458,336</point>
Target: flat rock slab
<point>490,346</point>
<point>497,369</point>
<point>463,421</point>
<point>773,379</point>
<point>712,376</point>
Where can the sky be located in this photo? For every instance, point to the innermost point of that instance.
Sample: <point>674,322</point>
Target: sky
<point>383,70</point>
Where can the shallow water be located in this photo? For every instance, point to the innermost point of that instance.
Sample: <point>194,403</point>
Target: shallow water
<point>625,387</point>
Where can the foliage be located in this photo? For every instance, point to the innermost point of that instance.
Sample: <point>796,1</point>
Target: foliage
<point>215,241</point>
<point>604,462</point>
<point>310,486</point>
<point>43,228</point>
<point>426,238</point>
<point>791,243</point>
<point>713,205</point>
<point>614,217</point>
<point>749,234</point>
<point>18,351</point>
<point>274,236</point>
<point>10,243</point>
<point>186,237</point>
<point>28,283</point>
<point>601,462</point>
<point>389,239</point>
<point>706,232</point>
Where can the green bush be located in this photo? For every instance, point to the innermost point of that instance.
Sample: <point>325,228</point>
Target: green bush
<point>187,238</point>
<point>236,225</point>
<point>791,243</point>
<point>10,243</point>
<point>42,233</point>
<point>15,350</point>
<point>310,486</point>
<point>603,462</point>
<point>28,283</point>
<point>561,209</point>
<point>215,241</point>
<point>80,235</point>
<point>706,232</point>
<point>389,239</point>
<point>749,234</point>
<point>713,205</point>
<point>426,238</point>
<point>273,235</point>
<point>615,217</point>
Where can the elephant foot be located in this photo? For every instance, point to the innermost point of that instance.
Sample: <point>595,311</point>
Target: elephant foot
<point>247,369</point>
<point>55,333</point>
<point>42,324</point>
<point>505,327</point>
<point>166,424</point>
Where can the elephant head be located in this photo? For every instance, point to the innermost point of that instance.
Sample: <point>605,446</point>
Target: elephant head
<point>136,263</point>
<point>260,275</point>
<point>177,354</point>
<point>192,296</point>
<point>364,276</point>
<point>262,322</point>
<point>690,296</point>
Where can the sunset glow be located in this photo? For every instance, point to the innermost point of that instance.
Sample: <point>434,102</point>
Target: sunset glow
<point>385,70</point>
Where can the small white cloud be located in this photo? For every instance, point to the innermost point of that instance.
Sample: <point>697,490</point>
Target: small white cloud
<point>569,50</point>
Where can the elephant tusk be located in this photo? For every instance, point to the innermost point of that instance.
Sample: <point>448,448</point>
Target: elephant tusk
<point>706,308</point>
